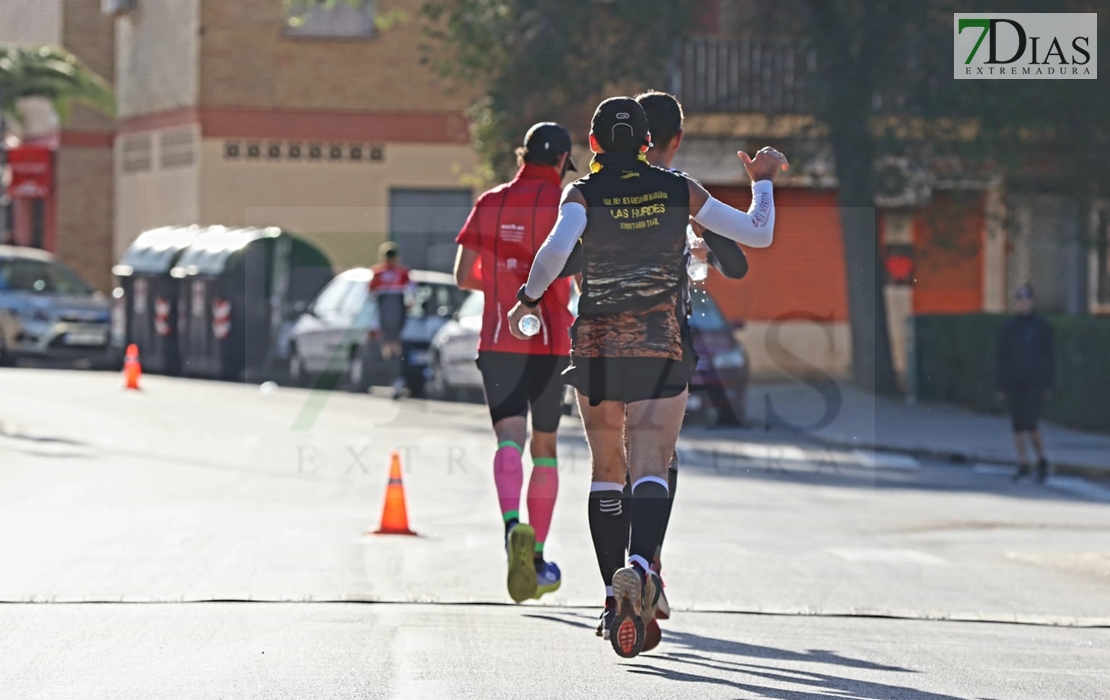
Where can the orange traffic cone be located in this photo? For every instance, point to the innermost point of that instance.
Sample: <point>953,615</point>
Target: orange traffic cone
<point>132,369</point>
<point>395,518</point>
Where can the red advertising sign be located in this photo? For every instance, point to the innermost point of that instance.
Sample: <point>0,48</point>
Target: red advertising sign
<point>32,172</point>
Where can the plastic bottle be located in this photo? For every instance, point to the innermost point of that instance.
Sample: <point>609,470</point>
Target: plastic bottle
<point>697,269</point>
<point>530,325</point>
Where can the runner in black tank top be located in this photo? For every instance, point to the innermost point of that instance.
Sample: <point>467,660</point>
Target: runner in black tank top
<point>631,219</point>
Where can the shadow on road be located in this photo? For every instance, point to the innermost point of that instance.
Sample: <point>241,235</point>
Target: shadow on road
<point>820,686</point>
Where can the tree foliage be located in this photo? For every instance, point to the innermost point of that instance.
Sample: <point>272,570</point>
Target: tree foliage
<point>551,60</point>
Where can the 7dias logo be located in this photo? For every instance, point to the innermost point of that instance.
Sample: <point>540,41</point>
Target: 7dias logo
<point>1026,46</point>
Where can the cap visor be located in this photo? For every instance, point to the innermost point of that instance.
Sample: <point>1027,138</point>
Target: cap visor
<point>570,165</point>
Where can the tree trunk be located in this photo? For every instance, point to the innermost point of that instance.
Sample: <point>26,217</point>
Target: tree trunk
<point>848,110</point>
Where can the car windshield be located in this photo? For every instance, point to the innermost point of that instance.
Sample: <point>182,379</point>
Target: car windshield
<point>473,306</point>
<point>433,300</point>
<point>40,277</point>
<point>706,314</point>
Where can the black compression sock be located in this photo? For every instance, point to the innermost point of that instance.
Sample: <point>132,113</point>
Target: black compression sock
<point>672,482</point>
<point>648,515</point>
<point>609,531</point>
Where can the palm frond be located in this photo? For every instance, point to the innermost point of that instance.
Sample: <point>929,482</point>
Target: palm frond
<point>52,73</point>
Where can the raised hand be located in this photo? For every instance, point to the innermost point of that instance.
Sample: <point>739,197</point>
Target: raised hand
<point>768,163</point>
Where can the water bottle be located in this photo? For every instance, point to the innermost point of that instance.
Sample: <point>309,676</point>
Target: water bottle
<point>697,269</point>
<point>530,325</point>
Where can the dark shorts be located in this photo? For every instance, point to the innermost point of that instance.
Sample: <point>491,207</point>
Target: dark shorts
<point>1025,406</point>
<point>628,379</point>
<point>515,382</point>
<point>391,312</point>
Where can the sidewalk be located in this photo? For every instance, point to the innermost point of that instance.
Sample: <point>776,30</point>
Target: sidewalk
<point>844,416</point>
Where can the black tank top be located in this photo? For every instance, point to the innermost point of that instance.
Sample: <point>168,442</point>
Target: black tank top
<point>633,270</point>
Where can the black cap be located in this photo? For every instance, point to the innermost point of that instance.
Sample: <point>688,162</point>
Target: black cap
<point>620,124</point>
<point>549,137</point>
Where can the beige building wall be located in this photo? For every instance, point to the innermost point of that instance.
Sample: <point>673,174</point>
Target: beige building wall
<point>797,349</point>
<point>31,21</point>
<point>389,71</point>
<point>157,54</point>
<point>343,207</point>
<point>157,182</point>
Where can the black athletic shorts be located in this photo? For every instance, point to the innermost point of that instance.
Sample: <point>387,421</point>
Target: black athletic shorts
<point>628,379</point>
<point>1025,406</point>
<point>515,382</point>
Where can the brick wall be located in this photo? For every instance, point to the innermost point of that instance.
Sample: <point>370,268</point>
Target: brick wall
<point>247,60</point>
<point>84,216</point>
<point>157,51</point>
<point>91,35</point>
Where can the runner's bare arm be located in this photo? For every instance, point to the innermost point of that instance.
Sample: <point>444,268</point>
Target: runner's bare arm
<point>466,261</point>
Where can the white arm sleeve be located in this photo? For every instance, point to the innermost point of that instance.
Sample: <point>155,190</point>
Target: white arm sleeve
<point>756,228</point>
<point>553,254</point>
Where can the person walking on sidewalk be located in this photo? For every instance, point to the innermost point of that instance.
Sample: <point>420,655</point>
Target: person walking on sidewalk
<point>391,284</point>
<point>1026,375</point>
<point>496,248</point>
<point>628,362</point>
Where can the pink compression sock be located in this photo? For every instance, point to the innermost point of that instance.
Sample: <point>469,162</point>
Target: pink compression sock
<point>543,487</point>
<point>508,475</point>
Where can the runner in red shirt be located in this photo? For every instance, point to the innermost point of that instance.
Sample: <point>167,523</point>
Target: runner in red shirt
<point>390,283</point>
<point>496,247</point>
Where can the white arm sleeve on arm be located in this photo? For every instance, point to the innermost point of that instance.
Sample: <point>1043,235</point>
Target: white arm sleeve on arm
<point>553,254</point>
<point>755,228</point>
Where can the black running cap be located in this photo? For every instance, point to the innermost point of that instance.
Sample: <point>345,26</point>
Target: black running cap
<point>549,137</point>
<point>620,124</point>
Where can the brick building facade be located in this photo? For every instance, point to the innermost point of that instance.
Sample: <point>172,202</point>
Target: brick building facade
<point>75,219</point>
<point>336,128</point>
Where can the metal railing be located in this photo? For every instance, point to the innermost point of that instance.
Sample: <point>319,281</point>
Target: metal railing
<point>744,75</point>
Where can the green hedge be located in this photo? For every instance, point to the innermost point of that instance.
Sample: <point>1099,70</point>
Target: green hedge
<point>955,358</point>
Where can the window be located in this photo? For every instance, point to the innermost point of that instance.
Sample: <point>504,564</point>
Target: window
<point>473,306</point>
<point>331,297</point>
<point>41,277</point>
<point>340,19</point>
<point>433,300</point>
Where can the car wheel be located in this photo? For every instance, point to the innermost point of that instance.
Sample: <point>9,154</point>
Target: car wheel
<point>436,386</point>
<point>6,360</point>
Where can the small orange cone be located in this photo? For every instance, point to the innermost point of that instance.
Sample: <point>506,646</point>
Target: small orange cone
<point>395,518</point>
<point>132,369</point>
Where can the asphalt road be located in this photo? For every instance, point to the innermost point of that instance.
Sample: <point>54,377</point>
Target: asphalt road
<point>124,515</point>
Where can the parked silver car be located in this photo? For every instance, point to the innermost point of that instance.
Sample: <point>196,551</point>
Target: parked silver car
<point>338,333</point>
<point>48,312</point>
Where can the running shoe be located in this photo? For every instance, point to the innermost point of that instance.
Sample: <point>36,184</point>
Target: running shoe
<point>548,578</point>
<point>663,611</point>
<point>605,620</point>
<point>637,595</point>
<point>652,636</point>
<point>522,580</point>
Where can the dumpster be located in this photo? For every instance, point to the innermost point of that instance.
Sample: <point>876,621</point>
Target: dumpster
<point>146,298</point>
<point>237,287</point>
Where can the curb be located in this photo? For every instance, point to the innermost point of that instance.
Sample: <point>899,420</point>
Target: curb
<point>1097,474</point>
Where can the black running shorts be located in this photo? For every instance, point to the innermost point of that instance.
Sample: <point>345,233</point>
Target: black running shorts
<point>1025,406</point>
<point>628,379</point>
<point>515,382</point>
